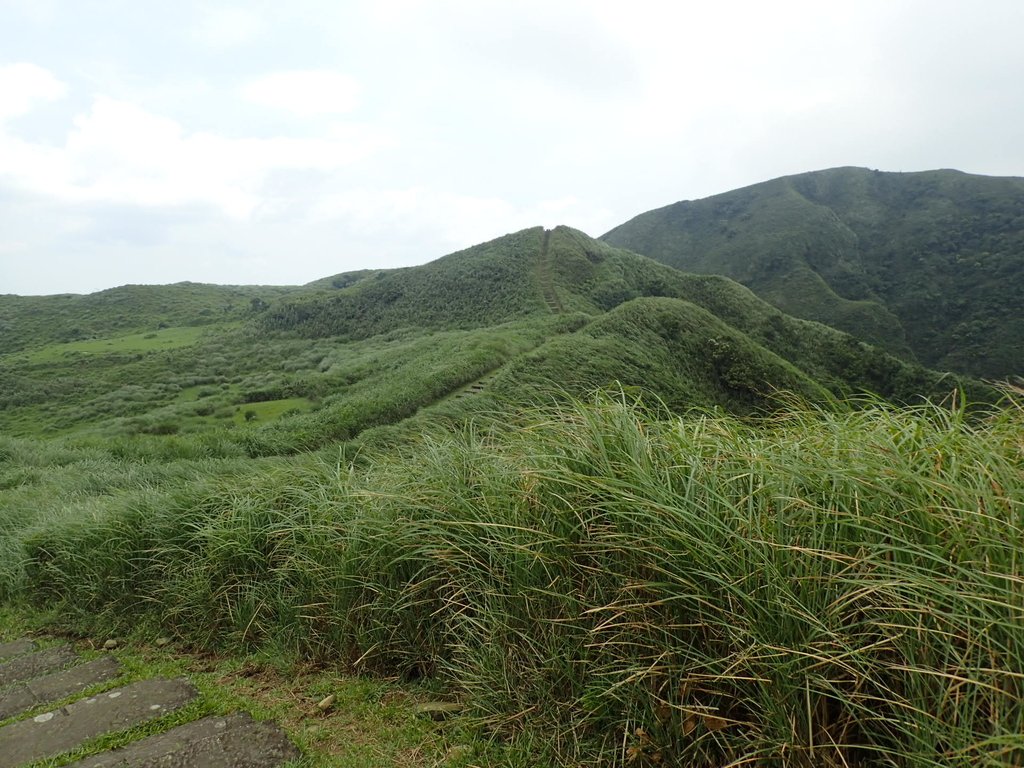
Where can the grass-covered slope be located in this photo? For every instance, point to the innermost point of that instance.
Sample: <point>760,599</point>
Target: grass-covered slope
<point>481,286</point>
<point>737,325</point>
<point>357,472</point>
<point>599,587</point>
<point>28,322</point>
<point>324,362</point>
<point>668,347</point>
<point>234,391</point>
<point>925,264</point>
<point>535,273</point>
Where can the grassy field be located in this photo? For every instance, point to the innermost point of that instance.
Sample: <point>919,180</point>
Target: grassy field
<point>269,410</point>
<point>602,583</point>
<point>304,392</point>
<point>150,341</point>
<point>373,350</point>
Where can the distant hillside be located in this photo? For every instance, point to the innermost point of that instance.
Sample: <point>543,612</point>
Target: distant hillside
<point>928,265</point>
<point>27,321</point>
<point>534,273</point>
<point>484,285</point>
<point>719,342</point>
<point>269,371</point>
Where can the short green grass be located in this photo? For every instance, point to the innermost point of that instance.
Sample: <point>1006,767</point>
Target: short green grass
<point>135,343</point>
<point>268,410</point>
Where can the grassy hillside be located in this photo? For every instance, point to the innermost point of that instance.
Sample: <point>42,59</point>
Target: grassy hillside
<point>34,321</point>
<point>319,364</point>
<point>668,347</point>
<point>481,286</point>
<point>595,278</point>
<point>928,265</point>
<point>720,562</point>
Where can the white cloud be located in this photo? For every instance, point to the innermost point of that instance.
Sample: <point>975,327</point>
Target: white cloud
<point>449,219</point>
<point>306,93</point>
<point>227,136</point>
<point>23,86</point>
<point>36,11</point>
<point>226,27</point>
<point>119,152</point>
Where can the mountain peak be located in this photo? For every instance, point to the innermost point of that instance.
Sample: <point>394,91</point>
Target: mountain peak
<point>928,264</point>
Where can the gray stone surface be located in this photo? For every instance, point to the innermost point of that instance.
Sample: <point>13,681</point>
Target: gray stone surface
<point>52,733</point>
<point>30,665</point>
<point>15,648</point>
<point>56,686</point>
<point>234,741</point>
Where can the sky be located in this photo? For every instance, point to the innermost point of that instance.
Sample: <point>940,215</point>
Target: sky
<point>277,143</point>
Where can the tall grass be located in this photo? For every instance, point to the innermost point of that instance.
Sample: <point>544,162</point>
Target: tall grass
<point>830,588</point>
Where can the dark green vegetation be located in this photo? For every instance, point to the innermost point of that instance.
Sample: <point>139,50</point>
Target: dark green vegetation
<point>383,345</point>
<point>928,265</point>
<point>396,472</point>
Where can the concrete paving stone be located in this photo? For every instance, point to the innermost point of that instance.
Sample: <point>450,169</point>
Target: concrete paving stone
<point>30,665</point>
<point>15,648</point>
<point>56,685</point>
<point>52,733</point>
<point>232,741</point>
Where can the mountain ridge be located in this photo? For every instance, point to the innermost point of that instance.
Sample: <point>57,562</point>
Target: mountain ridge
<point>928,264</point>
<point>533,312</point>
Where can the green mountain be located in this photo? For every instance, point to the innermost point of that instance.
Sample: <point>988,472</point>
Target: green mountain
<point>517,318</point>
<point>564,272</point>
<point>480,286</point>
<point>930,266</point>
<point>409,473</point>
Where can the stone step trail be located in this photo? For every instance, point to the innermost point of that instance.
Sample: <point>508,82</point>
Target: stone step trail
<point>52,733</point>
<point>15,648</point>
<point>30,665</point>
<point>30,679</point>
<point>212,742</point>
<point>551,299</point>
<point>476,387</point>
<point>55,686</point>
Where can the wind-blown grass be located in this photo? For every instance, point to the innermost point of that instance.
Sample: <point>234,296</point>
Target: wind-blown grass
<point>823,588</point>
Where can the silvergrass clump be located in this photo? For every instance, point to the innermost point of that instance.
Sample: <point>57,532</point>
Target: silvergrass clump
<point>823,587</point>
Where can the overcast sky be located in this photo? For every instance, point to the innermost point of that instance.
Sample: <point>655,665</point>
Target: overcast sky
<point>281,142</point>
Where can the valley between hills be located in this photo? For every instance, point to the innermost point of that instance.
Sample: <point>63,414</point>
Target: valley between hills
<point>739,482</point>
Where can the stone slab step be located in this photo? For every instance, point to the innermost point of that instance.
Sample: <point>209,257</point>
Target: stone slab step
<point>233,741</point>
<point>52,733</point>
<point>30,665</point>
<point>15,648</point>
<point>56,686</point>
